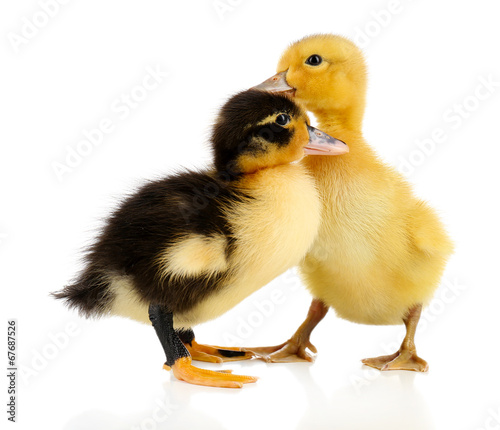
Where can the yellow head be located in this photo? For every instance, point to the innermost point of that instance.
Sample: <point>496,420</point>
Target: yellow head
<point>328,75</point>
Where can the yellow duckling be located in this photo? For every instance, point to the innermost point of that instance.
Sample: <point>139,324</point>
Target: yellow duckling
<point>380,251</point>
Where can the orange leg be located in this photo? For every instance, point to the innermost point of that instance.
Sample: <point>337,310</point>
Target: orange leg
<point>179,359</point>
<point>295,348</point>
<point>406,358</point>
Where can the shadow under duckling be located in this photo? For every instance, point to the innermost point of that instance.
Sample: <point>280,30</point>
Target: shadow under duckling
<point>187,248</point>
<point>380,251</point>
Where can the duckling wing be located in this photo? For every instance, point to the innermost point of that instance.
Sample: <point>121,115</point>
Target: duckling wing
<point>193,255</point>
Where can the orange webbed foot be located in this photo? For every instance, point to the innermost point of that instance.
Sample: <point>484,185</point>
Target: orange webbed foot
<point>217,354</point>
<point>296,348</point>
<point>291,351</point>
<point>401,360</point>
<point>185,371</point>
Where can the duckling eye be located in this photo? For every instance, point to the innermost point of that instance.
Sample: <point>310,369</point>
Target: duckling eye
<point>314,60</point>
<point>282,119</point>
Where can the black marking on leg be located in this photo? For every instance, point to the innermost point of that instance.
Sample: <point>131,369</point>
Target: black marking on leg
<point>163,323</point>
<point>186,335</point>
<point>230,353</point>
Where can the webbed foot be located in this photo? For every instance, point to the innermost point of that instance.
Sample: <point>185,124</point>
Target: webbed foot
<point>185,371</point>
<point>217,354</point>
<point>401,360</point>
<point>291,351</point>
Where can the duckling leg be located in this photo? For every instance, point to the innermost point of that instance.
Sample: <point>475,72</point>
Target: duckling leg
<point>210,353</point>
<point>179,360</point>
<point>406,358</point>
<point>294,349</point>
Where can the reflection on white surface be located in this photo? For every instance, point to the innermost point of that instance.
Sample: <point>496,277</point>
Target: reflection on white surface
<point>94,419</point>
<point>390,402</point>
<point>99,386</point>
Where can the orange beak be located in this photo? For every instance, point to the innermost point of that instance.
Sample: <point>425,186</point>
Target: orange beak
<point>275,84</point>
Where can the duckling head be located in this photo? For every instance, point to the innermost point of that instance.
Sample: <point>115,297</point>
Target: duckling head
<point>327,74</point>
<point>259,129</point>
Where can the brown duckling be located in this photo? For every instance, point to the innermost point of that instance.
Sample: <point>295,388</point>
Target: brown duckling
<point>185,249</point>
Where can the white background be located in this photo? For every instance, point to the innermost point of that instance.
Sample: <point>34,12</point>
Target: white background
<point>425,59</point>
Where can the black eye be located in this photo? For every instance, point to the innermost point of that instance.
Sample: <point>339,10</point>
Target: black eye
<point>314,60</point>
<point>282,119</point>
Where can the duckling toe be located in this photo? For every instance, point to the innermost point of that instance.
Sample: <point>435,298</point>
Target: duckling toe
<point>217,354</point>
<point>379,362</point>
<point>291,351</point>
<point>203,356</point>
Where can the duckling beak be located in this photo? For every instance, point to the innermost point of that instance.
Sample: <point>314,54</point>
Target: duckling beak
<point>275,84</point>
<point>323,144</point>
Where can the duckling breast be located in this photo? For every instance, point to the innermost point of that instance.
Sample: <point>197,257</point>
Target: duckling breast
<point>272,232</point>
<point>281,223</point>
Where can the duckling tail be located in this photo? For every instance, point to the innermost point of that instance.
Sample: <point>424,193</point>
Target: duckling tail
<point>90,294</point>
